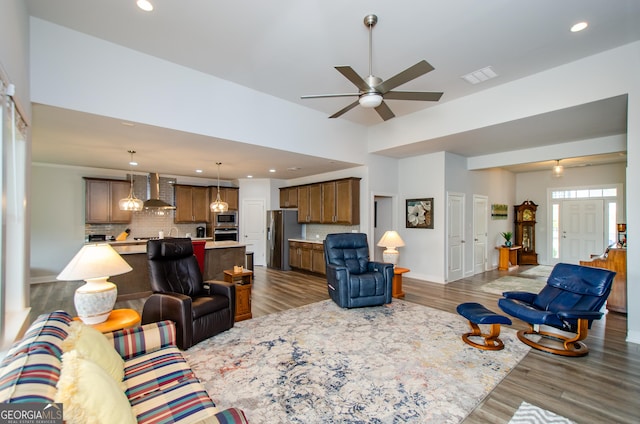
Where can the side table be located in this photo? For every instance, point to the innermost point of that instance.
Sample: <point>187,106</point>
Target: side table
<point>243,284</point>
<point>508,259</point>
<point>397,282</point>
<point>118,319</point>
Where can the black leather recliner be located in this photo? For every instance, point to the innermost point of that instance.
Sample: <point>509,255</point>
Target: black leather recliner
<point>199,309</point>
<point>354,281</point>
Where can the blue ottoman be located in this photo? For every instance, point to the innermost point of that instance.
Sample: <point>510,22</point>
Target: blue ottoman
<point>478,314</point>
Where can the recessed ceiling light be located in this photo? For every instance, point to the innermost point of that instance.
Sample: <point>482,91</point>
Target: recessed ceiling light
<point>128,124</point>
<point>481,75</point>
<point>272,170</point>
<point>579,26</point>
<point>145,5</point>
<point>249,176</point>
<point>199,171</point>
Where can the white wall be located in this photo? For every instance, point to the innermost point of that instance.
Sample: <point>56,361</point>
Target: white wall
<point>423,177</point>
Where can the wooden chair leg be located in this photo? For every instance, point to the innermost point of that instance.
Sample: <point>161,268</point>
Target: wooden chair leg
<point>491,340</point>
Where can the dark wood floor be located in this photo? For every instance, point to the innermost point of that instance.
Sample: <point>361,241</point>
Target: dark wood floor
<point>603,387</point>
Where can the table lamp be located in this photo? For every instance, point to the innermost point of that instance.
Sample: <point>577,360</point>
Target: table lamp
<point>95,263</point>
<point>391,240</point>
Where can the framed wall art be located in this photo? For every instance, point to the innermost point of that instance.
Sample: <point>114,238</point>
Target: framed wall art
<point>420,213</point>
<point>499,211</point>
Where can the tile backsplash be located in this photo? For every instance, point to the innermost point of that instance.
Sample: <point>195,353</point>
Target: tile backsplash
<point>320,231</point>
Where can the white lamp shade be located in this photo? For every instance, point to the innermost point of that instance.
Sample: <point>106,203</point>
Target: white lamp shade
<point>391,239</point>
<point>95,263</point>
<point>370,100</point>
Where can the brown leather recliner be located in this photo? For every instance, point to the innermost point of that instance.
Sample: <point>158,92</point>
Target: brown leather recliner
<point>199,309</point>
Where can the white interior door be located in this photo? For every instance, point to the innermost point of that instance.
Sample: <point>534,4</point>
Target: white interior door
<point>480,224</point>
<point>254,222</point>
<point>581,229</point>
<point>455,236</point>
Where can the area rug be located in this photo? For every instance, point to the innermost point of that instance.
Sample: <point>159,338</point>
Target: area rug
<point>531,414</point>
<point>509,283</point>
<point>538,271</point>
<point>320,363</point>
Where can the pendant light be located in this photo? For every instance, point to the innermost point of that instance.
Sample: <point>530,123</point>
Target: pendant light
<point>219,205</point>
<point>131,203</point>
<point>558,169</point>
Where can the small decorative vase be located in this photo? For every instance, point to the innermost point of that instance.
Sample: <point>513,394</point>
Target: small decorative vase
<point>507,243</point>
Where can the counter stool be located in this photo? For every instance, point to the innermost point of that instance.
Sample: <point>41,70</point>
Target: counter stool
<point>478,314</point>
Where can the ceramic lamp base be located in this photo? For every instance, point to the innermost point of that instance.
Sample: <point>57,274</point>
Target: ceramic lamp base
<point>390,256</point>
<point>94,301</point>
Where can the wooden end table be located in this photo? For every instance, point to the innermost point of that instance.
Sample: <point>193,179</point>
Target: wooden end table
<point>243,284</point>
<point>397,282</point>
<point>508,259</point>
<point>118,319</point>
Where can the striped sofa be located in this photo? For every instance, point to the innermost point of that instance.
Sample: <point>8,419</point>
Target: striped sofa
<point>158,383</point>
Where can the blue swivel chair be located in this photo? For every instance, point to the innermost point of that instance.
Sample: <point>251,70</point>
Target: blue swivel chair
<point>571,300</point>
<point>354,281</point>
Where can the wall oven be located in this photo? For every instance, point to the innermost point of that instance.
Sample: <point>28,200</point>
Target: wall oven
<point>225,234</point>
<point>225,219</point>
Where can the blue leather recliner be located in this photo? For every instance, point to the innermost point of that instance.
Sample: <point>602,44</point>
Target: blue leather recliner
<point>354,281</point>
<point>571,300</point>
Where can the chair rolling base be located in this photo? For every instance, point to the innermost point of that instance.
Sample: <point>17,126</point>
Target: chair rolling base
<point>566,346</point>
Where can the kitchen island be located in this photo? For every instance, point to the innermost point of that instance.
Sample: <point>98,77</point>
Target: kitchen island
<point>218,256</point>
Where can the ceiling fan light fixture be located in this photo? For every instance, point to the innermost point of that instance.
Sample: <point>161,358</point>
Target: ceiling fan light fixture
<point>145,5</point>
<point>370,100</point>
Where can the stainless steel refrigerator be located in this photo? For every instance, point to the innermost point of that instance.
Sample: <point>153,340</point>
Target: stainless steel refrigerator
<point>282,225</point>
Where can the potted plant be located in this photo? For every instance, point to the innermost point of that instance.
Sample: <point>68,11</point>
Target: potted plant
<point>507,238</point>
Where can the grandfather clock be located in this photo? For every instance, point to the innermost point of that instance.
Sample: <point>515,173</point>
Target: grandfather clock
<point>525,234</point>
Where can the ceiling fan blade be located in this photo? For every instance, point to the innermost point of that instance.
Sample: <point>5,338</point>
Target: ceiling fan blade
<point>384,111</point>
<point>320,96</point>
<point>413,95</point>
<point>345,110</point>
<point>407,75</point>
<point>353,76</point>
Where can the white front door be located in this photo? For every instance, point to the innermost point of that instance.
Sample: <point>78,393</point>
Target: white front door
<point>480,223</point>
<point>455,236</point>
<point>581,229</point>
<point>254,222</point>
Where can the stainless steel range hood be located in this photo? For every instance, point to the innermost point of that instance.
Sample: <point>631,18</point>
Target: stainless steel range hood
<point>154,201</point>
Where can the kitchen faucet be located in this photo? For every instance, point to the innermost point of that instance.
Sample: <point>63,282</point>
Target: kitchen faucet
<point>171,231</point>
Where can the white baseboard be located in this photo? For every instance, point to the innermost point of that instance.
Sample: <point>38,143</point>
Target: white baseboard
<point>633,337</point>
<point>43,279</point>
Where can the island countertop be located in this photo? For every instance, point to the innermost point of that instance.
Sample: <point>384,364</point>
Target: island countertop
<point>128,248</point>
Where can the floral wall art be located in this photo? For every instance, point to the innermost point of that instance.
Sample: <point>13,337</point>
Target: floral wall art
<point>420,213</point>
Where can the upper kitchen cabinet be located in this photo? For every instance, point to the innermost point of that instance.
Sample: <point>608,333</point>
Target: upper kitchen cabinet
<point>310,204</point>
<point>289,197</point>
<point>347,202</point>
<point>230,195</point>
<point>101,201</point>
<point>192,203</point>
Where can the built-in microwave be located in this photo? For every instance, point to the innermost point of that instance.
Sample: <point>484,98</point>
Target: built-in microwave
<point>225,219</point>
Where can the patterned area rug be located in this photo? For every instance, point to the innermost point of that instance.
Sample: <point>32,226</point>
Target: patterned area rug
<point>320,363</point>
<point>509,283</point>
<point>531,414</point>
<point>538,271</point>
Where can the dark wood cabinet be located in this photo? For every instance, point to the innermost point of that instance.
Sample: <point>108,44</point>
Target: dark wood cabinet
<point>289,197</point>
<point>307,256</point>
<point>525,232</point>
<point>192,203</point>
<point>101,201</point>
<point>328,202</point>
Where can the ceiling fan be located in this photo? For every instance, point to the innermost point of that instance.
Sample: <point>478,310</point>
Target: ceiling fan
<point>373,90</point>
